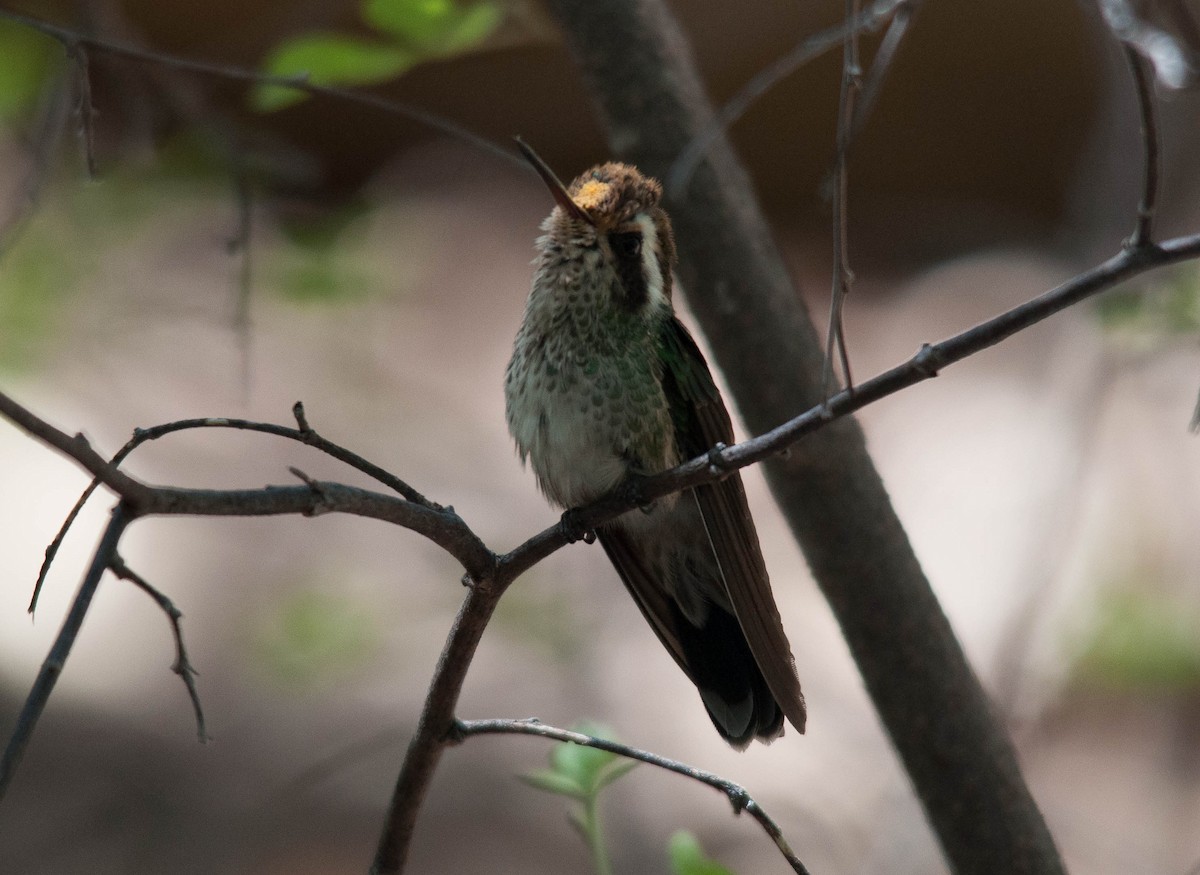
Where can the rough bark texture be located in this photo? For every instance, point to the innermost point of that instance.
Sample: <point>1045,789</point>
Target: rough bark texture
<point>640,73</point>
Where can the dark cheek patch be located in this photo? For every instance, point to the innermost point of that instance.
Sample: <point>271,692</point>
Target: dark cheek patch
<point>630,271</point>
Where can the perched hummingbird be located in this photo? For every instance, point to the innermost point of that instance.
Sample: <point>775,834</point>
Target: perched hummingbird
<point>606,382</point>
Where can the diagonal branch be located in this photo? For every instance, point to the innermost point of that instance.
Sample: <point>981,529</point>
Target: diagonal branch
<point>435,724</point>
<point>738,796</point>
<point>52,666</point>
<point>442,526</point>
<point>925,364</point>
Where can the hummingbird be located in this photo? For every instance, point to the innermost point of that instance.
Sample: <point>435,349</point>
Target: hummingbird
<point>606,383</point>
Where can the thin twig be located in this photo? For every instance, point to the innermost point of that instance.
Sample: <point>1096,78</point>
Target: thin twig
<point>441,525</point>
<point>52,666</point>
<point>843,277</point>
<point>738,796</point>
<point>303,434</point>
<point>182,666</point>
<point>1143,234</point>
<point>77,52</point>
<point>881,63</point>
<point>680,174</point>
<point>48,131</point>
<point>68,38</point>
<point>239,246</point>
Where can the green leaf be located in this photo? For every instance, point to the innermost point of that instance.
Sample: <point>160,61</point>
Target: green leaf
<point>28,59</point>
<point>554,782</point>
<point>433,27</point>
<point>687,857</point>
<point>328,59</point>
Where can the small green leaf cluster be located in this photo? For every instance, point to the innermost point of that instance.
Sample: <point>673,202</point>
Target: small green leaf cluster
<point>409,32</point>
<point>581,773</point>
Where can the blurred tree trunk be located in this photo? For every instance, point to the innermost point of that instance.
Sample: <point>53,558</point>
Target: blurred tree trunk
<point>641,76</point>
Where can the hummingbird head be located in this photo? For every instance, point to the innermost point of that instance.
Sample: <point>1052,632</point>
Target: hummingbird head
<point>610,221</point>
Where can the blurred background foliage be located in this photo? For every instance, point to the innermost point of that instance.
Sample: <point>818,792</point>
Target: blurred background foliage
<point>242,246</point>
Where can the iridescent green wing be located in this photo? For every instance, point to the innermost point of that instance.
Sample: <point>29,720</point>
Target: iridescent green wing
<point>701,421</point>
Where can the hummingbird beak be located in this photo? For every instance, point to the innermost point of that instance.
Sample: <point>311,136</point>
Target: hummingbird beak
<point>557,189</point>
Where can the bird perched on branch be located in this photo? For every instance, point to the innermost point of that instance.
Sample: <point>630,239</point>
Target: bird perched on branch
<point>605,382</point>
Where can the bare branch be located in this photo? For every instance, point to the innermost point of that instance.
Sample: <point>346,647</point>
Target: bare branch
<point>84,109</point>
<point>679,176</point>
<point>52,666</point>
<point>239,246</point>
<point>48,129</point>
<point>882,63</point>
<point>182,667</point>
<point>1143,234</point>
<point>76,448</point>
<point>738,796</point>
<point>70,38</point>
<point>437,720</point>
<point>843,277</point>
<point>304,434</point>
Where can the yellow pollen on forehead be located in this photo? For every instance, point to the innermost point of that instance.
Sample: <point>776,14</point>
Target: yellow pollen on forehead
<point>592,193</point>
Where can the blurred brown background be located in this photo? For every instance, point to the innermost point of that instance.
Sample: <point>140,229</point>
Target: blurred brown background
<point>1049,485</point>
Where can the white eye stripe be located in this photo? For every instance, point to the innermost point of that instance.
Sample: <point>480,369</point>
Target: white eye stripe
<point>651,267</point>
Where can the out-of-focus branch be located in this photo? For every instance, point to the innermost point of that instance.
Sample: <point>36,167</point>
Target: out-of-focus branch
<point>679,175</point>
<point>83,106</point>
<point>74,41</point>
<point>738,796</point>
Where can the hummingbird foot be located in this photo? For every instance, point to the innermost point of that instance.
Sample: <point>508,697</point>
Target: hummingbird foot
<point>631,492</point>
<point>574,529</point>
